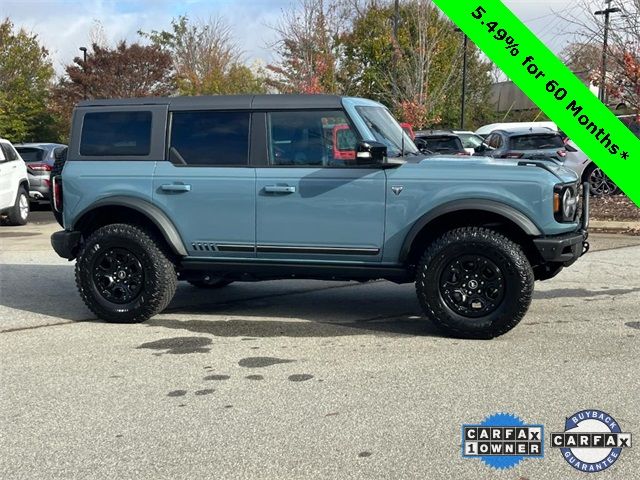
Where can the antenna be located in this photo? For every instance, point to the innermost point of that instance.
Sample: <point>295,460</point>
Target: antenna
<point>402,143</point>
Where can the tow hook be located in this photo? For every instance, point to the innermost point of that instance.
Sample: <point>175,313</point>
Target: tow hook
<point>585,247</point>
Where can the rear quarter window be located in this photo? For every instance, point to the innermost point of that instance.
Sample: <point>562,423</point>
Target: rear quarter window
<point>116,134</point>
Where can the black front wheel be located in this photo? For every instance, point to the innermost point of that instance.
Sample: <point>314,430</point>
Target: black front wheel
<point>474,283</point>
<point>123,275</point>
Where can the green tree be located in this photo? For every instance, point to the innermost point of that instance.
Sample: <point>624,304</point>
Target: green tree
<point>418,72</point>
<point>206,60</point>
<point>25,76</point>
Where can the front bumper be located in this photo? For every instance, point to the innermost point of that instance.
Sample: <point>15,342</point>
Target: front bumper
<point>568,247</point>
<point>66,243</point>
<point>564,249</point>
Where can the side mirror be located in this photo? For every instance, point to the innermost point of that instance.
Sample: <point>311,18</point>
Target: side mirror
<point>480,148</point>
<point>422,145</point>
<point>370,153</point>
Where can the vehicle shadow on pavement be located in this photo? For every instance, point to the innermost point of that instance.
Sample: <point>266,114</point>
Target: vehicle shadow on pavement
<point>292,309</point>
<point>300,329</point>
<point>315,309</point>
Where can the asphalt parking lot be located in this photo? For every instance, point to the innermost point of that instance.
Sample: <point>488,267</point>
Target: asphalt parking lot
<point>300,379</point>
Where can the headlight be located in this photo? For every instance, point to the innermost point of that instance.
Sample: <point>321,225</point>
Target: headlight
<point>565,203</point>
<point>569,203</point>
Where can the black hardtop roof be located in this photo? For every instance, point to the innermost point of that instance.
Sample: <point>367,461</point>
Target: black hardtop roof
<point>223,102</point>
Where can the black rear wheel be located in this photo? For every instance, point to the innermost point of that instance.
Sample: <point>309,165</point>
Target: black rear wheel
<point>123,275</point>
<point>474,283</point>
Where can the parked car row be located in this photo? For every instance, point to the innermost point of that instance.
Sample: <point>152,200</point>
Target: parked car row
<point>519,140</point>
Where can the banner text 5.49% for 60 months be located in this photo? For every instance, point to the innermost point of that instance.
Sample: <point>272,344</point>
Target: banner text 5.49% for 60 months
<point>552,86</point>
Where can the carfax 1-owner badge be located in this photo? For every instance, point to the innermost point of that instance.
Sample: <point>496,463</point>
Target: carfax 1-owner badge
<point>592,440</point>
<point>502,441</point>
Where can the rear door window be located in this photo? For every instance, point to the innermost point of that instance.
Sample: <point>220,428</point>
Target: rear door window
<point>213,139</point>
<point>116,134</point>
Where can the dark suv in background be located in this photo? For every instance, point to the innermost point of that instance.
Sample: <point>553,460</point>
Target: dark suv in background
<point>527,143</point>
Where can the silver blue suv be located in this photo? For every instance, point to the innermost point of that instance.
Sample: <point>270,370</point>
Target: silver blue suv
<point>213,190</point>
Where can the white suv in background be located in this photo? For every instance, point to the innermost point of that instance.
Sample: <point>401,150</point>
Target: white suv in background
<point>14,185</point>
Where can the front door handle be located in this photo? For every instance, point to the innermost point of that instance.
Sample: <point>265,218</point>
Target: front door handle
<point>175,187</point>
<point>286,189</point>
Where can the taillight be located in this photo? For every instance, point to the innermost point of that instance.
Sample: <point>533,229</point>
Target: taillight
<point>39,167</point>
<point>562,153</point>
<point>57,193</point>
<point>513,155</point>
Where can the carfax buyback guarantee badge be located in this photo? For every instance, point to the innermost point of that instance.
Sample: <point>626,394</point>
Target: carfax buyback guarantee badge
<point>592,440</point>
<point>502,441</point>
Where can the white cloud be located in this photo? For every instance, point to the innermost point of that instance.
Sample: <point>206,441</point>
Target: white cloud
<point>64,25</point>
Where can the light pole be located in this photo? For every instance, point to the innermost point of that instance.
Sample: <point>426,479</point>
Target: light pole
<point>603,74</point>
<point>394,73</point>
<point>465,43</point>
<point>84,69</point>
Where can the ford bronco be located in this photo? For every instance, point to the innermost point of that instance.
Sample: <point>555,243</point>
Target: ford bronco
<point>213,190</point>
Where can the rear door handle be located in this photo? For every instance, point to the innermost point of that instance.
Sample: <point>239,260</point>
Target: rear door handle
<point>175,187</point>
<point>285,189</point>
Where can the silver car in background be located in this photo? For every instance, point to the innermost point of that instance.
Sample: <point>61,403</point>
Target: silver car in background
<point>39,158</point>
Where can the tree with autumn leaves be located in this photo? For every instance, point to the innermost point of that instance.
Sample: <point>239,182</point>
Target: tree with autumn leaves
<point>623,51</point>
<point>409,59</point>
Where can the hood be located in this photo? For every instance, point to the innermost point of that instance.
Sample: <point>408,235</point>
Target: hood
<point>563,174</point>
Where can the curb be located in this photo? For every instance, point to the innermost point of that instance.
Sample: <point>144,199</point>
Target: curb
<point>632,228</point>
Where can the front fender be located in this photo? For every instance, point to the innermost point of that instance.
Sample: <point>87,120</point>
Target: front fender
<point>482,205</point>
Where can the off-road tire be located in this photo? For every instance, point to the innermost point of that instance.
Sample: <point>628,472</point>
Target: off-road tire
<point>14,216</point>
<point>56,170</point>
<point>213,284</point>
<point>158,286</point>
<point>504,253</point>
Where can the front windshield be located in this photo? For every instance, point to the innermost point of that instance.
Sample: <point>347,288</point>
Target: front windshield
<point>470,140</point>
<point>387,131</point>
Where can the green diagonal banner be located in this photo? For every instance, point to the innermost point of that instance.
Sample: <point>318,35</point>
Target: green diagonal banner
<point>551,86</point>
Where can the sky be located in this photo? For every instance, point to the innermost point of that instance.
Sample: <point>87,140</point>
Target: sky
<point>64,25</point>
